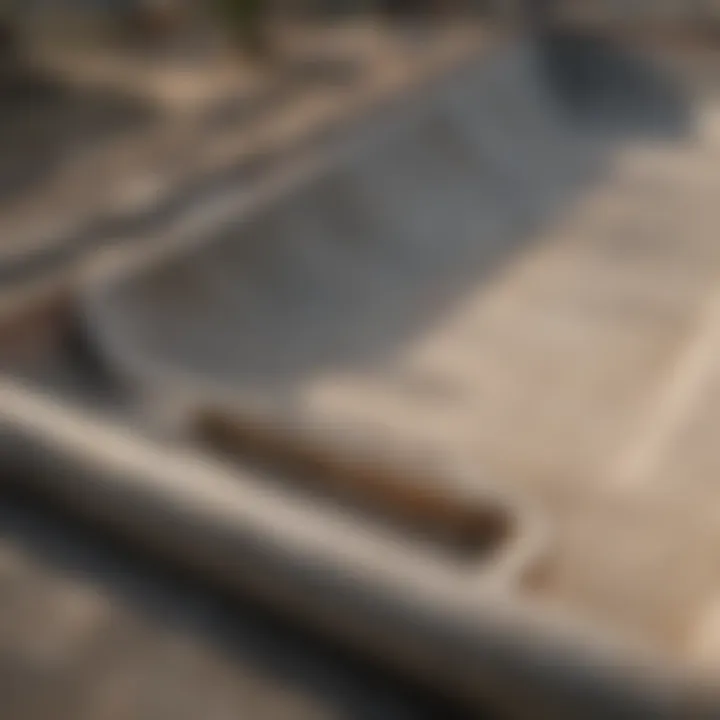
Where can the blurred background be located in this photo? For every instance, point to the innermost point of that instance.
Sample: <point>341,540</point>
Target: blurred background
<point>115,115</point>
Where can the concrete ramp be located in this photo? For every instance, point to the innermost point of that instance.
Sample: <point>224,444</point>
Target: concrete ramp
<point>367,250</point>
<point>459,350</point>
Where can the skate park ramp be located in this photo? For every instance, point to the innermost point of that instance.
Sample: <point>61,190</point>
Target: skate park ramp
<point>491,308</point>
<point>421,202</point>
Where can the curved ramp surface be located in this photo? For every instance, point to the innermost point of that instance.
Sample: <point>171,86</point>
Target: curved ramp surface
<point>481,288</point>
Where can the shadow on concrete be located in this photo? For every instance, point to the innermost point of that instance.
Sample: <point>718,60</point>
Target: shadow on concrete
<point>608,85</point>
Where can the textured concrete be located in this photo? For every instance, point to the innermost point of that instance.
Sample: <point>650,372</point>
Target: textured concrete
<point>493,306</point>
<point>511,274</point>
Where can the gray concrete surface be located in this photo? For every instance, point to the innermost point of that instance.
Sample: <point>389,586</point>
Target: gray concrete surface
<point>88,631</point>
<point>502,278</point>
<point>542,254</point>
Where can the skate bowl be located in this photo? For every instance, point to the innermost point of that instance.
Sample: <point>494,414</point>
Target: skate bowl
<point>444,387</point>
